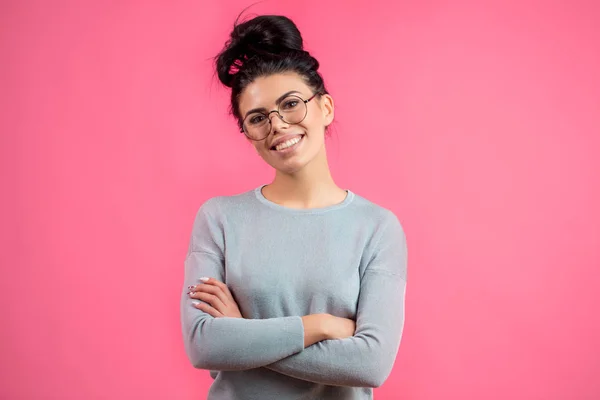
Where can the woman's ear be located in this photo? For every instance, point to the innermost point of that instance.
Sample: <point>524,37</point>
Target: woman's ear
<point>328,108</point>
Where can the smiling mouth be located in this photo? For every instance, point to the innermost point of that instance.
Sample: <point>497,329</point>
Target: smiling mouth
<point>288,143</point>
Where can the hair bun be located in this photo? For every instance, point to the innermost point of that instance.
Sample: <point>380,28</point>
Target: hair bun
<point>264,36</point>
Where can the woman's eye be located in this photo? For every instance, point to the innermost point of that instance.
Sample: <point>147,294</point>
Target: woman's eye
<point>290,104</point>
<point>257,119</point>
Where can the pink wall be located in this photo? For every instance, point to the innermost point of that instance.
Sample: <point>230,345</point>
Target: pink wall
<point>477,124</point>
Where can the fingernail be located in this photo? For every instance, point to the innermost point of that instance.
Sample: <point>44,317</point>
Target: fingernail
<point>191,287</point>
<point>204,279</point>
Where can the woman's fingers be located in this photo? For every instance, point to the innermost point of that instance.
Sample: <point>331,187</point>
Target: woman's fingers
<point>207,308</point>
<point>211,299</point>
<point>218,284</point>
<point>211,294</point>
<point>212,289</point>
<point>217,294</point>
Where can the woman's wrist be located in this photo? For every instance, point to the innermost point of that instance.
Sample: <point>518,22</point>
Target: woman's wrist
<point>315,328</point>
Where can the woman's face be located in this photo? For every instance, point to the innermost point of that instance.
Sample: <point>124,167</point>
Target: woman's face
<point>279,149</point>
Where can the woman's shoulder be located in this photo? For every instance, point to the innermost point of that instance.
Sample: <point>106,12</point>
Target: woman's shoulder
<point>384,223</point>
<point>220,204</point>
<point>374,211</point>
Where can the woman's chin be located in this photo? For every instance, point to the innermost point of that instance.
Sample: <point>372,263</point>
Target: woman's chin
<point>288,167</point>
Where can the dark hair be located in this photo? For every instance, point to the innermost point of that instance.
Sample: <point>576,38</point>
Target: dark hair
<point>262,46</point>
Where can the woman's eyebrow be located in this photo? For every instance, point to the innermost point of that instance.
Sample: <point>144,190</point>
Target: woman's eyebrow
<point>262,109</point>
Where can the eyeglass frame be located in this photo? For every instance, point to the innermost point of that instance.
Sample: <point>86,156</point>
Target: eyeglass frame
<point>268,115</point>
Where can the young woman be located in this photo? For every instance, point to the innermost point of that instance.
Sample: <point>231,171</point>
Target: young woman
<point>293,290</point>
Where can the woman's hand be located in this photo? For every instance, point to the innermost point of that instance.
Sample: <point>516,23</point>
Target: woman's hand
<point>216,299</point>
<point>338,327</point>
<point>318,327</point>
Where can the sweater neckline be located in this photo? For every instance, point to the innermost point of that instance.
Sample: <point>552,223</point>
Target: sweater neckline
<point>319,210</point>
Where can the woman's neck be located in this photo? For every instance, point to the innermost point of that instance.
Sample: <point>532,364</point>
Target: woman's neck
<point>311,187</point>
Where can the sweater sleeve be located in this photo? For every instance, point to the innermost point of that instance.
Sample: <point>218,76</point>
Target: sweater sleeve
<point>228,344</point>
<point>367,358</point>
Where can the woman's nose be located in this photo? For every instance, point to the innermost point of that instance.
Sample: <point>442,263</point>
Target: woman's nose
<point>277,121</point>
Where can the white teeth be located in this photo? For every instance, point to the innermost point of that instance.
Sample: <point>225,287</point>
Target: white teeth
<point>287,144</point>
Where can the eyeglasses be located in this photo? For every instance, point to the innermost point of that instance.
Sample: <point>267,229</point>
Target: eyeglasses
<point>291,110</point>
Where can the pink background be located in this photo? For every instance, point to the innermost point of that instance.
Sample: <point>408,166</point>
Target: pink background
<point>476,122</point>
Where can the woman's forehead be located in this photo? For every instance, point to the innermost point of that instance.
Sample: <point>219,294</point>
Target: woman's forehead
<point>264,91</point>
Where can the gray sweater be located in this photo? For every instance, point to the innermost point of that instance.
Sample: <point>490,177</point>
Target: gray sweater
<point>280,263</point>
